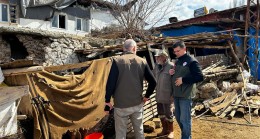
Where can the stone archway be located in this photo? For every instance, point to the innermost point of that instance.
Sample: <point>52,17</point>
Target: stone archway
<point>18,51</point>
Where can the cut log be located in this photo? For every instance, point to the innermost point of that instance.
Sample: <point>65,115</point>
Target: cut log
<point>212,66</point>
<point>221,75</point>
<point>232,113</point>
<point>256,112</point>
<point>241,112</point>
<point>219,99</point>
<point>225,104</point>
<point>21,117</point>
<point>225,112</point>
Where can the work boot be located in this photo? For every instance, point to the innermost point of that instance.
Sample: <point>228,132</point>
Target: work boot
<point>164,126</point>
<point>170,130</point>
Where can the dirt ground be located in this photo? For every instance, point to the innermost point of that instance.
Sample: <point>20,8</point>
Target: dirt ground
<point>215,128</point>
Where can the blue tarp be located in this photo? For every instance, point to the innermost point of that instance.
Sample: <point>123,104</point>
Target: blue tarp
<point>194,30</point>
<point>239,42</point>
<point>189,30</point>
<point>251,53</point>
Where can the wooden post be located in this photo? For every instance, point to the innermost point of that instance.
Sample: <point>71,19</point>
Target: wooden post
<point>151,55</point>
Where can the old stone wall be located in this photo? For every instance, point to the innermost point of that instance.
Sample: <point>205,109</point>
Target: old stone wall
<point>50,51</point>
<point>61,51</point>
<point>35,47</point>
<point>5,51</point>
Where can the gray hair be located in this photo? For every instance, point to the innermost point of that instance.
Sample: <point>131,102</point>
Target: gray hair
<point>129,43</point>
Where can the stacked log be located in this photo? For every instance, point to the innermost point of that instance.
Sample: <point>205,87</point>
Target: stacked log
<point>237,99</point>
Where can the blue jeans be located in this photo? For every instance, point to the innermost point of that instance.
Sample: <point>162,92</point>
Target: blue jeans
<point>183,116</point>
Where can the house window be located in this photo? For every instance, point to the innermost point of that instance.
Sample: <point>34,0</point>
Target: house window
<point>62,20</point>
<point>78,24</point>
<point>59,21</point>
<point>4,12</point>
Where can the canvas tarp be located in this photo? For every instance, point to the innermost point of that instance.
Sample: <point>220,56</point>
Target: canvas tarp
<point>75,101</point>
<point>252,52</point>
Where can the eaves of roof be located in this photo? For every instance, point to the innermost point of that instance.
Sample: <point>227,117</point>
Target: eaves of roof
<point>213,18</point>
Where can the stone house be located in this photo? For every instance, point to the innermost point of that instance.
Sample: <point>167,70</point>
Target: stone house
<point>70,16</point>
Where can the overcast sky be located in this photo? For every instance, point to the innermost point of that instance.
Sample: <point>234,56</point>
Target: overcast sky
<point>184,9</point>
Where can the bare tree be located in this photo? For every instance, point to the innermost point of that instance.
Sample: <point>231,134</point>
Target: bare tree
<point>235,3</point>
<point>133,15</point>
<point>242,2</point>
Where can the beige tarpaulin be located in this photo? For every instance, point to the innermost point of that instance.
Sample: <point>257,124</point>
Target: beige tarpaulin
<point>75,101</point>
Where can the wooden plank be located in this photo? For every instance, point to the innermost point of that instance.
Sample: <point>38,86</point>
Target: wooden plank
<point>232,113</point>
<point>20,71</point>
<point>226,103</point>
<point>208,46</point>
<point>17,64</point>
<point>150,55</point>
<point>68,66</point>
<point>150,113</point>
<point>212,102</point>
<point>10,94</point>
<point>151,109</point>
<point>148,118</point>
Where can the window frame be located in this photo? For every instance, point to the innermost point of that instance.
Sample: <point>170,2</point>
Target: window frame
<point>1,13</point>
<point>58,21</point>
<point>81,24</point>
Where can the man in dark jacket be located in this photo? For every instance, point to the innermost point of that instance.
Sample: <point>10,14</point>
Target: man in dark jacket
<point>125,84</point>
<point>185,75</point>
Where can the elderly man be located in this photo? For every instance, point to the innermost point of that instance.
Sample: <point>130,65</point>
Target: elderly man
<point>163,93</point>
<point>186,73</point>
<point>125,84</point>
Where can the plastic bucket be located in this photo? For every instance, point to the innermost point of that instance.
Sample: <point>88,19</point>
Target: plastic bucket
<point>94,136</point>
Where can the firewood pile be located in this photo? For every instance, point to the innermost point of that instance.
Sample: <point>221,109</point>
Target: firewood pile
<point>226,92</point>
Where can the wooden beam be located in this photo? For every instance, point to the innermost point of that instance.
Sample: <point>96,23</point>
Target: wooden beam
<point>225,104</point>
<point>20,71</point>
<point>17,64</point>
<point>207,46</point>
<point>68,66</point>
<point>235,55</point>
<point>151,56</point>
<point>9,94</point>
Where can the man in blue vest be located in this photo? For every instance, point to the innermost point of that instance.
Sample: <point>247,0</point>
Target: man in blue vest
<point>185,75</point>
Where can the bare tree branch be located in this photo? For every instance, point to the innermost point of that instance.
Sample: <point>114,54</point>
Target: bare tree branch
<point>133,15</point>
